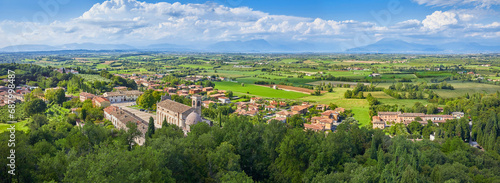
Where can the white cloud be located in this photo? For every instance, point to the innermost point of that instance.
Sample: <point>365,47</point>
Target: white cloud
<point>134,22</point>
<point>481,3</point>
<point>466,17</point>
<point>439,20</point>
<point>408,24</point>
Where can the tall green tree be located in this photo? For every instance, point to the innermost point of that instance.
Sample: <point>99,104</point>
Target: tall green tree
<point>151,128</point>
<point>35,106</point>
<point>57,96</point>
<point>130,134</point>
<point>148,99</point>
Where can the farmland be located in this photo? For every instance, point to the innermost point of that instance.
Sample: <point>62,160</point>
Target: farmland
<point>462,89</point>
<point>258,91</point>
<point>92,78</point>
<point>299,75</point>
<point>19,126</point>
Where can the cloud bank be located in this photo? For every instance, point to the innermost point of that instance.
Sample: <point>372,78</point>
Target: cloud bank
<point>134,22</point>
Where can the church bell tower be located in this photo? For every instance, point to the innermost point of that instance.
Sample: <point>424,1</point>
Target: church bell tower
<point>196,103</point>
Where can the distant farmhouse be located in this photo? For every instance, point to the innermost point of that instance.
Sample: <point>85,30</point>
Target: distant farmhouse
<point>122,96</point>
<point>386,119</point>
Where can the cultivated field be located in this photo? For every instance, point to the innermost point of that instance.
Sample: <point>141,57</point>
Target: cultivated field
<point>293,88</point>
<point>93,77</point>
<point>463,88</point>
<point>255,90</point>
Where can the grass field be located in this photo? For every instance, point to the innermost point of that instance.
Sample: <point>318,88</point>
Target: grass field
<point>224,73</point>
<point>289,60</point>
<point>197,66</point>
<point>401,102</point>
<point>20,126</point>
<point>349,73</point>
<point>93,77</point>
<point>254,90</point>
<point>132,71</point>
<point>434,74</point>
<point>359,107</point>
<point>378,94</point>
<point>463,88</point>
<point>334,82</point>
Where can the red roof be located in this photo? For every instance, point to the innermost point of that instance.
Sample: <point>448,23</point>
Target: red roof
<point>110,109</point>
<point>339,109</point>
<point>314,126</point>
<point>85,94</point>
<point>100,99</point>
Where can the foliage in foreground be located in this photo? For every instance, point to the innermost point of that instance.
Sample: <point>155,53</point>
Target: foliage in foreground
<point>241,151</point>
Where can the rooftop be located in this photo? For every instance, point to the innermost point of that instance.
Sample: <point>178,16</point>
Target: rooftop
<point>174,106</point>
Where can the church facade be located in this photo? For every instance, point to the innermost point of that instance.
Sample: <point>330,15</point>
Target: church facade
<point>178,114</point>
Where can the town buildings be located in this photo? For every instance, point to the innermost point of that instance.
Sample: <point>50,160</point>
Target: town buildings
<point>457,115</point>
<point>224,100</point>
<point>120,88</point>
<point>122,96</point>
<point>302,109</point>
<point>386,119</point>
<point>120,118</point>
<point>100,102</point>
<point>329,120</point>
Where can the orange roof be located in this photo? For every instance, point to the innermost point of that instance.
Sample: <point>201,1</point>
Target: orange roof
<point>328,113</point>
<point>100,99</point>
<point>299,107</point>
<point>286,113</point>
<point>339,109</point>
<point>110,109</point>
<point>314,126</point>
<point>85,94</point>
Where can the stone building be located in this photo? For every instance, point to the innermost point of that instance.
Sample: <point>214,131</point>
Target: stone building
<point>100,102</point>
<point>389,116</point>
<point>377,122</point>
<point>84,96</point>
<point>385,119</point>
<point>120,118</point>
<point>179,114</point>
<point>122,96</point>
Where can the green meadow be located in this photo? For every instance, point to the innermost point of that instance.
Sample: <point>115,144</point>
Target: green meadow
<point>255,90</point>
<point>463,88</point>
<point>20,126</point>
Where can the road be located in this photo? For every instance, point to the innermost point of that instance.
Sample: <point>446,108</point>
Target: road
<point>143,115</point>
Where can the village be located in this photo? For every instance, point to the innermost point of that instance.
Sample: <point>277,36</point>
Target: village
<point>116,106</point>
<point>250,91</point>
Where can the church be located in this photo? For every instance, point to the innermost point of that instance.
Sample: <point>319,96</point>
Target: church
<point>179,114</point>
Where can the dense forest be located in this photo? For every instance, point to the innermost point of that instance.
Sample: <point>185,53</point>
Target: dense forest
<point>243,150</point>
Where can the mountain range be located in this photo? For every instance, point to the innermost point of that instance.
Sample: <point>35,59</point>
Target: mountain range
<point>263,46</point>
<point>399,46</point>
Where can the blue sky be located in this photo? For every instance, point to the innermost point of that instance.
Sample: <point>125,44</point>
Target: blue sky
<point>353,9</point>
<point>347,23</point>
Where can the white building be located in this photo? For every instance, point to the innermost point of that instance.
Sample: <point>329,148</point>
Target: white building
<point>122,96</point>
<point>224,100</point>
